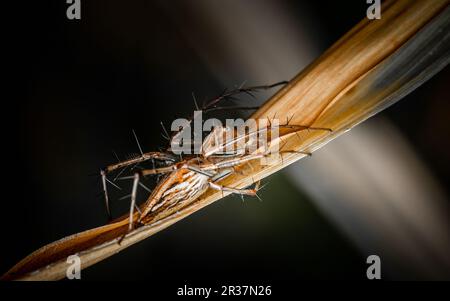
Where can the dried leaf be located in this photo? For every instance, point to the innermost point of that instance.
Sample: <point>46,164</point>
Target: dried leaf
<point>368,69</point>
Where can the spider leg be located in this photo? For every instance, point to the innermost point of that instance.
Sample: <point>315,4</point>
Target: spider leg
<point>237,161</point>
<point>133,201</point>
<point>132,207</point>
<point>292,128</point>
<point>232,162</point>
<point>144,157</point>
<point>160,170</point>
<point>105,191</point>
<point>248,90</point>
<point>213,105</point>
<point>251,192</point>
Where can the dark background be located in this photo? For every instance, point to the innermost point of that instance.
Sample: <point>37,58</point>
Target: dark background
<point>126,66</point>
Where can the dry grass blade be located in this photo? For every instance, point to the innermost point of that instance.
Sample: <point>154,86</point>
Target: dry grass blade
<point>371,67</point>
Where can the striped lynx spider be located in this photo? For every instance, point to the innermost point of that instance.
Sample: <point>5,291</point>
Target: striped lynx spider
<point>185,177</point>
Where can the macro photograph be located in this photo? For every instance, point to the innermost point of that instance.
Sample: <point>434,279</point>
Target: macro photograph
<point>229,146</point>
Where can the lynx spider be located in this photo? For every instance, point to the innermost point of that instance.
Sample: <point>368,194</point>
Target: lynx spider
<point>186,179</point>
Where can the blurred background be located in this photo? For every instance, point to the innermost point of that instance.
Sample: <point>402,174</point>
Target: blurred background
<point>380,189</point>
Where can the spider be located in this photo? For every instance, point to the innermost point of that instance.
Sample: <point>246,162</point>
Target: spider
<point>185,179</point>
